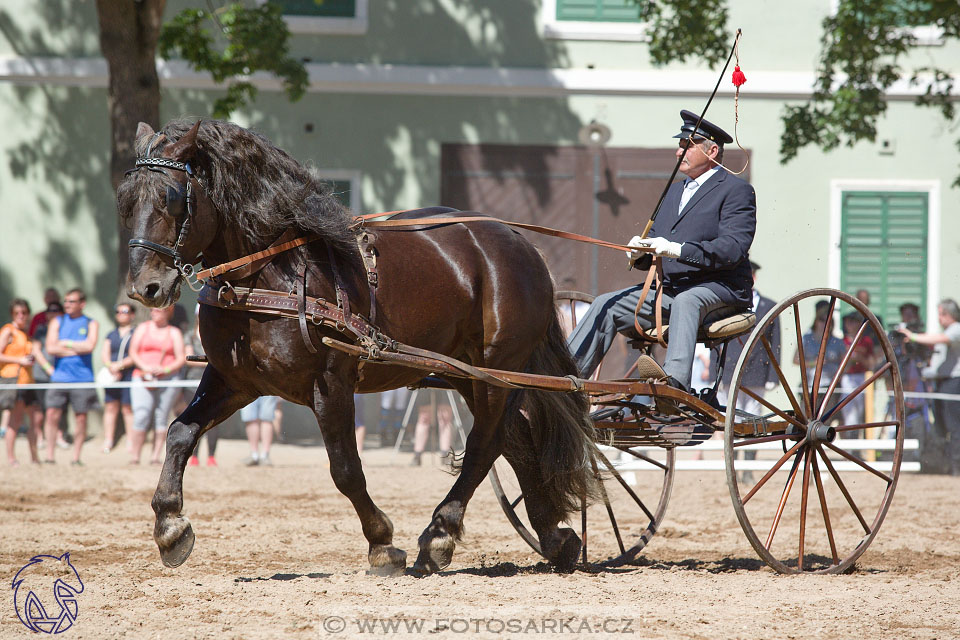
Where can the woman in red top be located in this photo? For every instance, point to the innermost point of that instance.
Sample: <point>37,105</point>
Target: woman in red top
<point>157,352</point>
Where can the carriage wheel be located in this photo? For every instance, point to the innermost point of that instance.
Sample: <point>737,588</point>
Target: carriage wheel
<point>636,490</point>
<point>821,503</point>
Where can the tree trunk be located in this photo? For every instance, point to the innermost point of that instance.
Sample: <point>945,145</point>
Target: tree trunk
<point>128,41</point>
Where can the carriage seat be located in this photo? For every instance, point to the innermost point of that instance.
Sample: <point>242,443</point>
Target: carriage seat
<point>713,331</point>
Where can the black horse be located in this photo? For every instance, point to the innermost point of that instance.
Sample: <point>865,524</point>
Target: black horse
<point>478,292</point>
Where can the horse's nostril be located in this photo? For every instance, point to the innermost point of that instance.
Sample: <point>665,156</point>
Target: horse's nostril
<point>151,291</point>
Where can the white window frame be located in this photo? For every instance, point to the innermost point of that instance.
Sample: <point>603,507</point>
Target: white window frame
<point>932,189</point>
<point>353,176</point>
<point>589,30</point>
<point>313,25</point>
<point>926,36</point>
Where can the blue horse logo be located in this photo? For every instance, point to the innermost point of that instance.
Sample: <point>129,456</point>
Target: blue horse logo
<point>32,588</point>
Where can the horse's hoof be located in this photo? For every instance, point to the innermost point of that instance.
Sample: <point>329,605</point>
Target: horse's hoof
<point>435,556</point>
<point>562,550</point>
<point>175,541</point>
<point>387,561</point>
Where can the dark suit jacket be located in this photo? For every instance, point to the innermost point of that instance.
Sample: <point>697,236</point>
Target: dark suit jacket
<point>716,229</point>
<point>759,370</point>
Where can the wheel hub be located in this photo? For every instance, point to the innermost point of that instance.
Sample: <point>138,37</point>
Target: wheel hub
<point>820,432</point>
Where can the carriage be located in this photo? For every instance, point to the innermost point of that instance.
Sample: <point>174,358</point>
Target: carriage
<point>309,303</point>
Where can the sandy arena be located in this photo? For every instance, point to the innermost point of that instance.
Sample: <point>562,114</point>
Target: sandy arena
<point>279,554</point>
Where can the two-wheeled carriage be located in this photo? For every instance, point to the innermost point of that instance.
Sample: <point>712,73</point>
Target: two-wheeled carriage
<point>843,497</point>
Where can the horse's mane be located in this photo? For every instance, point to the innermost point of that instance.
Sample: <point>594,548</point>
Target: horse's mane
<point>255,185</point>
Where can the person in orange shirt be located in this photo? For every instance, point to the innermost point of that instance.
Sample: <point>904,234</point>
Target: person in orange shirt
<point>17,356</point>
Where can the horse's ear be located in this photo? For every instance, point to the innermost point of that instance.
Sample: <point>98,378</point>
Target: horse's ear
<point>185,148</point>
<point>143,129</point>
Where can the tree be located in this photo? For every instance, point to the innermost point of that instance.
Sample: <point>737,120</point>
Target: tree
<point>863,44</point>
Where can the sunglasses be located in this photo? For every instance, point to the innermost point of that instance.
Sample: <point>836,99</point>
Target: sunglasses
<point>72,301</point>
<point>123,311</point>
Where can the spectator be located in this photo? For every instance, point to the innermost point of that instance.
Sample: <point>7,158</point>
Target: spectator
<point>861,361</point>
<point>424,419</point>
<point>811,348</point>
<point>194,371</point>
<point>71,339</point>
<point>864,296</point>
<point>393,403</point>
<point>115,354</point>
<point>42,370</point>
<point>944,371</point>
<point>759,372</point>
<point>157,352</point>
<point>359,424</point>
<point>50,296</point>
<point>258,417</point>
<point>17,356</point>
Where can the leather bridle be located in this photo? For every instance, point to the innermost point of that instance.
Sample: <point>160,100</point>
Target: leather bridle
<point>180,198</point>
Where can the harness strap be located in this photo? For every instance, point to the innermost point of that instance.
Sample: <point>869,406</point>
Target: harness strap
<point>368,253</point>
<point>655,272</point>
<point>244,271</point>
<point>270,251</point>
<point>343,301</point>
<point>302,307</point>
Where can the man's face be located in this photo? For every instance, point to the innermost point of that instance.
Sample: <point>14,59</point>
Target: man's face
<point>73,304</point>
<point>699,158</point>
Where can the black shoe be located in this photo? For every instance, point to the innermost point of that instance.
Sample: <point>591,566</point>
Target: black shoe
<point>416,462</point>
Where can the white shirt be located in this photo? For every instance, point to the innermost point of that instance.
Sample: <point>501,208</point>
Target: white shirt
<point>690,187</point>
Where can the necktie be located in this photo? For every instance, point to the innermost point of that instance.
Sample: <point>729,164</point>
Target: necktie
<point>689,188</point>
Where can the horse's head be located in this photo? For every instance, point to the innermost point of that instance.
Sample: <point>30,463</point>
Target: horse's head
<point>172,218</point>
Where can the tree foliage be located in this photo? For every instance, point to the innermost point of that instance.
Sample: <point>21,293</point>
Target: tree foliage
<point>233,42</point>
<point>864,47</point>
<point>679,29</point>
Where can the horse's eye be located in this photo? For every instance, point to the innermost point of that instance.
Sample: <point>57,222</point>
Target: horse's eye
<point>176,200</point>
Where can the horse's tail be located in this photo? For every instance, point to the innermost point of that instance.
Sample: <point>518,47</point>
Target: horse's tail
<point>556,436</point>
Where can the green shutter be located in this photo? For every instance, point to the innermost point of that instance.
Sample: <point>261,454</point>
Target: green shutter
<point>323,8</point>
<point>883,249</point>
<point>341,189</point>
<point>598,10</point>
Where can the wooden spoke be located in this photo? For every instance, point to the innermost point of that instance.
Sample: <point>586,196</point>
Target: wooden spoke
<point>804,491</point>
<point>818,370</point>
<point>646,459</point>
<point>866,425</point>
<point>606,503</point>
<point>824,510</point>
<point>856,460</point>
<point>843,367</point>
<point>513,505</point>
<point>773,470</point>
<point>782,436</point>
<point>783,501</point>
<point>777,411</point>
<point>853,394</point>
<point>803,361</point>
<point>843,489</point>
<point>626,487</point>
<point>583,530</point>
<point>783,380</point>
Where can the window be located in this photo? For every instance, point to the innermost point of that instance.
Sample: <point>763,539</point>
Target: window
<point>326,16</point>
<point>883,248</point>
<point>593,20</point>
<point>346,187</point>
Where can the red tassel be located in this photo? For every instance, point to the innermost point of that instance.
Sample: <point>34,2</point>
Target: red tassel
<point>738,77</point>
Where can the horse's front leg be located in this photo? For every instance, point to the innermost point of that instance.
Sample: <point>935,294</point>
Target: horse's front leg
<point>484,445</point>
<point>213,403</point>
<point>334,408</point>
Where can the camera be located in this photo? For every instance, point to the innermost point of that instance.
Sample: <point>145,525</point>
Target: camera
<point>903,348</point>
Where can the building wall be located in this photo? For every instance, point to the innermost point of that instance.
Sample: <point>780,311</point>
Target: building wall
<point>425,73</point>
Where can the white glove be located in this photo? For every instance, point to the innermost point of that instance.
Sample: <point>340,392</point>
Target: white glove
<point>769,386</point>
<point>635,241</point>
<point>660,246</point>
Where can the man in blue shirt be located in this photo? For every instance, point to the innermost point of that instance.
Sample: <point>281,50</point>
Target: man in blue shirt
<point>71,338</point>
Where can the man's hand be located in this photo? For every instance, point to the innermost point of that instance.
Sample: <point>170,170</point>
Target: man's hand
<point>635,241</point>
<point>660,246</point>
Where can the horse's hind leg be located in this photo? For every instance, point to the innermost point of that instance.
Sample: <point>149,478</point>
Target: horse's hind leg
<point>335,414</point>
<point>560,545</point>
<point>213,403</point>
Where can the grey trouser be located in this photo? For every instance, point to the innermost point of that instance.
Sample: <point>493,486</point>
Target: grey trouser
<point>613,312</point>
